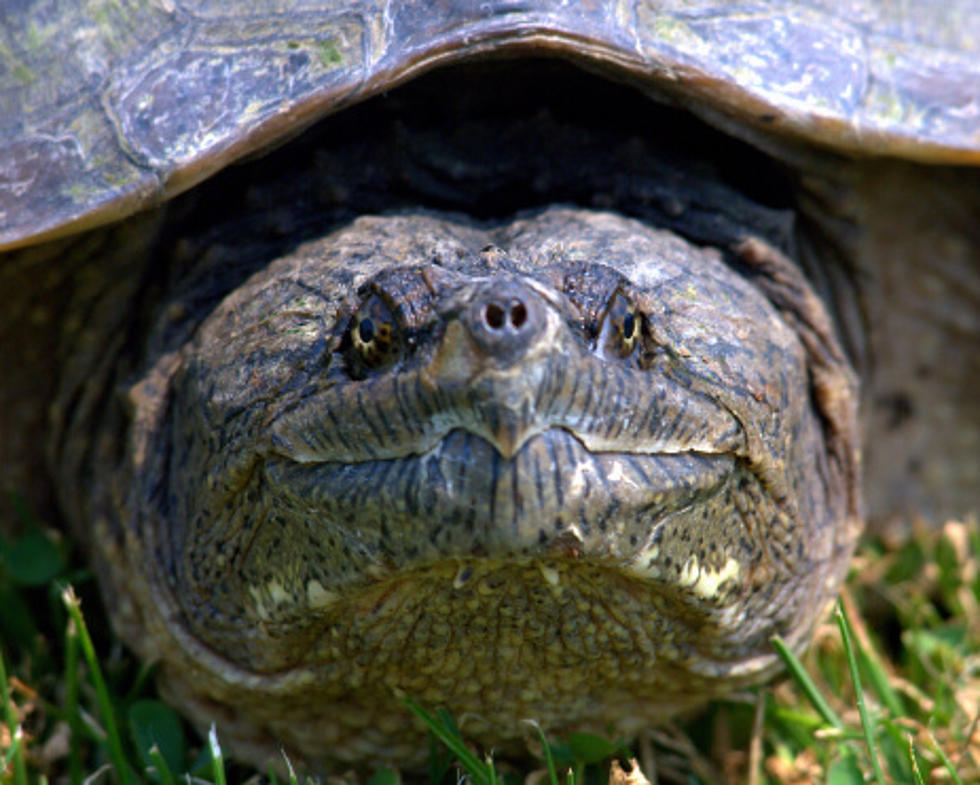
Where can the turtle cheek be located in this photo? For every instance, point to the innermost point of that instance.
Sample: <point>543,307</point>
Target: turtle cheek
<point>759,555</point>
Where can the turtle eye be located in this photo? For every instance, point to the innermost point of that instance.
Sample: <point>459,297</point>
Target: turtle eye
<point>620,329</point>
<point>375,339</point>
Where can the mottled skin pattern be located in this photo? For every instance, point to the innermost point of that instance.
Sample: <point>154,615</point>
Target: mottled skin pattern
<point>563,465</point>
<point>548,511</point>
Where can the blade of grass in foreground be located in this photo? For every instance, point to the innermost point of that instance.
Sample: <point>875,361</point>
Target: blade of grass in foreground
<point>74,717</point>
<point>481,773</point>
<point>938,749</point>
<point>113,740</point>
<point>915,763</point>
<point>15,754</point>
<point>549,758</point>
<point>160,763</point>
<point>869,736</point>
<point>293,780</point>
<point>812,692</point>
<point>879,680</point>
<point>870,661</point>
<point>217,761</point>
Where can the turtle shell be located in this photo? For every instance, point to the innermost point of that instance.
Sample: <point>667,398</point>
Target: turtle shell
<point>107,108</point>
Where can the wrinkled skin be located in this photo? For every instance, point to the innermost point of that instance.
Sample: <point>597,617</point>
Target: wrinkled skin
<point>172,422</point>
<point>590,474</point>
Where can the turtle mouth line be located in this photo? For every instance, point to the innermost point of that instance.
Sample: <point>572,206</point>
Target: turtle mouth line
<point>607,409</point>
<point>463,497</point>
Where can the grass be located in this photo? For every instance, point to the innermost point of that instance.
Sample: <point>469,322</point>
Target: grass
<point>888,693</point>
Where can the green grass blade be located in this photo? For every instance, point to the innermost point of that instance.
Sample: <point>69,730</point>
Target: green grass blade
<point>479,772</point>
<point>113,739</point>
<point>549,758</point>
<point>161,765</point>
<point>217,760</point>
<point>15,755</point>
<point>440,760</point>
<point>915,763</point>
<point>871,666</point>
<point>947,763</point>
<point>74,717</point>
<point>289,767</point>
<point>493,773</point>
<point>810,689</point>
<point>869,736</point>
<point>882,686</point>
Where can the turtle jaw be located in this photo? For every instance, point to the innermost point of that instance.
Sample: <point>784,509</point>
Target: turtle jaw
<point>342,534</point>
<point>464,498</point>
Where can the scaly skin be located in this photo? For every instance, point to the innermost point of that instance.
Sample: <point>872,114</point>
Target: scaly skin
<point>543,510</point>
<point>455,547</point>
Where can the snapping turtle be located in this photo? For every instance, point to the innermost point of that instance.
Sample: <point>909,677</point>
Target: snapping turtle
<point>517,390</point>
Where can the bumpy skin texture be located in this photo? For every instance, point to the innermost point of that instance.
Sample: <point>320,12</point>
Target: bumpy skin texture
<point>544,510</point>
<point>537,523</point>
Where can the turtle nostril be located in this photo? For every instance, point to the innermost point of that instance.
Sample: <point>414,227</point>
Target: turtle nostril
<point>493,314</point>
<point>504,317</point>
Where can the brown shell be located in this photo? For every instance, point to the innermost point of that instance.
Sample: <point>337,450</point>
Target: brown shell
<point>106,108</point>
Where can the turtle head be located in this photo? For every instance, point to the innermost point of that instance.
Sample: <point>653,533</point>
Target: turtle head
<point>568,421</point>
